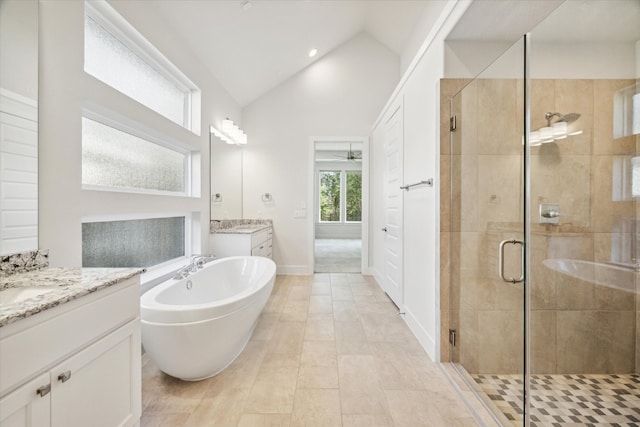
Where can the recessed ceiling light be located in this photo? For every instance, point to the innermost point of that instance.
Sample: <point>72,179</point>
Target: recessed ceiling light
<point>312,53</point>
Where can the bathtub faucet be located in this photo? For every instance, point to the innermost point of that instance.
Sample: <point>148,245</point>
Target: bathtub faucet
<point>185,270</point>
<point>201,260</point>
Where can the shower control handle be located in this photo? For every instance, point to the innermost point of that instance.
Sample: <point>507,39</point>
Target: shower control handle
<point>384,229</point>
<point>501,260</point>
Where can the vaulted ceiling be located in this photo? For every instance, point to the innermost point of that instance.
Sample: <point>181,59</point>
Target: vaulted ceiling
<point>251,46</point>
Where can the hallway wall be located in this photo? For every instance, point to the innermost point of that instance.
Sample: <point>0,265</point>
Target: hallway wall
<point>338,95</point>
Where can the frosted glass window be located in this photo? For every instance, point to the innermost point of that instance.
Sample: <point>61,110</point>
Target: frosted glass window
<point>109,60</point>
<point>113,158</point>
<point>132,243</point>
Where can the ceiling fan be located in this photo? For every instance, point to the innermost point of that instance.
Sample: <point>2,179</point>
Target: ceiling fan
<point>349,156</point>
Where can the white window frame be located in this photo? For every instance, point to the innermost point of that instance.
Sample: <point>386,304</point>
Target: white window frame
<point>343,195</point>
<point>103,14</point>
<point>130,127</point>
<point>319,213</point>
<point>162,271</point>
<point>344,181</point>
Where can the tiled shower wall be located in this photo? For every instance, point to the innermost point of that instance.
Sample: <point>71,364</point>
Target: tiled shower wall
<point>576,327</point>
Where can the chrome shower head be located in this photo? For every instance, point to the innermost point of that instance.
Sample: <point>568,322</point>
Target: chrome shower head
<point>571,117</point>
<point>568,118</point>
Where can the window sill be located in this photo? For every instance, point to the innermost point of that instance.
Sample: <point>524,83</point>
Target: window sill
<point>159,273</point>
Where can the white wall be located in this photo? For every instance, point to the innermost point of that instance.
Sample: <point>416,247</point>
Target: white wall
<point>550,60</point>
<point>338,95</point>
<point>19,47</point>
<point>419,89</point>
<point>432,11</point>
<point>65,88</point>
<point>338,231</point>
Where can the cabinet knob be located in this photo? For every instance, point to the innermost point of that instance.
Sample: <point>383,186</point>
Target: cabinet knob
<point>64,377</point>
<point>44,390</point>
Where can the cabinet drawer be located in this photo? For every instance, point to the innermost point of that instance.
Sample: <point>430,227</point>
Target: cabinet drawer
<point>260,250</point>
<point>259,237</point>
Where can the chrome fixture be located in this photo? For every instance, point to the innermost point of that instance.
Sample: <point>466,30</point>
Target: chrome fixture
<point>556,130</point>
<point>428,182</point>
<point>501,261</point>
<point>549,214</point>
<point>200,260</point>
<point>267,197</point>
<point>185,271</point>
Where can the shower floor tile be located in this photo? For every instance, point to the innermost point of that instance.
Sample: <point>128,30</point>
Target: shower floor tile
<point>558,400</point>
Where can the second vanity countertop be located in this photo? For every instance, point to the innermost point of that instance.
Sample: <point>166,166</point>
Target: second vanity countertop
<point>239,226</point>
<point>26,294</point>
<point>242,229</point>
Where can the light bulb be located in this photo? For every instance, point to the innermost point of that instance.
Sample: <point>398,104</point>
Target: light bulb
<point>559,130</point>
<point>546,134</point>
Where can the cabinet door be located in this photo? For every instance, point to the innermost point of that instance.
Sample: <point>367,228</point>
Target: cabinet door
<point>100,386</point>
<point>30,405</point>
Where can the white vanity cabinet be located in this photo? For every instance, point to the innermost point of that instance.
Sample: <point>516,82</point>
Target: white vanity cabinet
<point>77,364</point>
<point>29,405</point>
<point>258,243</point>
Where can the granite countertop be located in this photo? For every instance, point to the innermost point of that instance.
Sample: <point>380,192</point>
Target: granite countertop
<point>242,229</point>
<point>58,285</point>
<point>239,226</point>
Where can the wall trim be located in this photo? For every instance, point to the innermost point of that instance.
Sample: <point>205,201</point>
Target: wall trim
<point>426,341</point>
<point>294,270</point>
<point>18,105</point>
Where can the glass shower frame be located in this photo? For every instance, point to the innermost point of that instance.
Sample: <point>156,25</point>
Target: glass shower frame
<point>488,218</point>
<point>556,224</point>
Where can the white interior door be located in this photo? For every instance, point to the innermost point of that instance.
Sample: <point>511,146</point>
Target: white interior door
<point>392,229</point>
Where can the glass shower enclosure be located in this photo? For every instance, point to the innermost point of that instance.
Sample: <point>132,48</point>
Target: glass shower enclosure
<point>545,184</point>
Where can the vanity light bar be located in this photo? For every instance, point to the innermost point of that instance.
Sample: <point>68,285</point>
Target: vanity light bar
<point>231,133</point>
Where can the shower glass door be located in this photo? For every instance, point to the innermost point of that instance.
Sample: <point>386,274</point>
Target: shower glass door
<point>487,229</point>
<point>585,175</point>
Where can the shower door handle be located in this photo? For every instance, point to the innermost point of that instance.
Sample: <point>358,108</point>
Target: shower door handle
<point>501,261</point>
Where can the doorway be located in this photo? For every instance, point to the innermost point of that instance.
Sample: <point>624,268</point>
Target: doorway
<point>340,192</point>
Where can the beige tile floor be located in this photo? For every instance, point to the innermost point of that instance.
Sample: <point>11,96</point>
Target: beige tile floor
<point>329,350</point>
<point>338,255</point>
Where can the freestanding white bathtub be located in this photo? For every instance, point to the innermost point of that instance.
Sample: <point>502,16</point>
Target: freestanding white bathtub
<point>193,328</point>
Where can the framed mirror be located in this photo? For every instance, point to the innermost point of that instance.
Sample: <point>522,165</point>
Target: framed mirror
<point>226,180</point>
<point>18,126</point>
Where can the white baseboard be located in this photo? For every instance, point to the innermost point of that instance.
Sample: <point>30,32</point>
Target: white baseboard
<point>294,270</point>
<point>426,341</point>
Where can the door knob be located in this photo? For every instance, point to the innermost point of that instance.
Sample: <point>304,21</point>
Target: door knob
<point>384,229</point>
